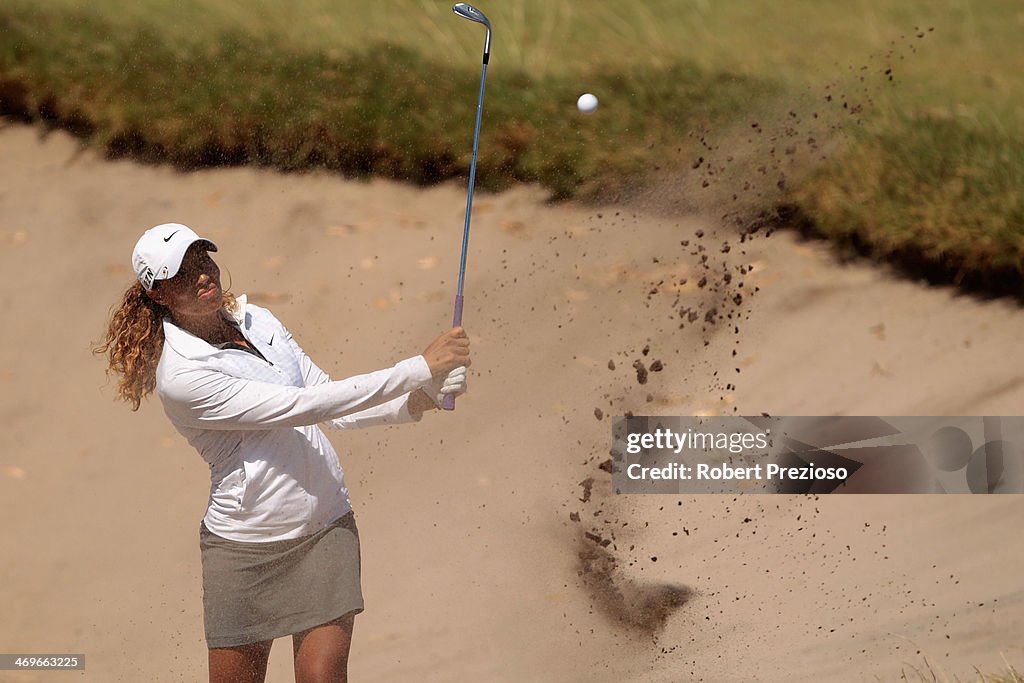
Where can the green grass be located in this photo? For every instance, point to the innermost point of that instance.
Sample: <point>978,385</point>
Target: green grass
<point>929,176</point>
<point>381,109</point>
<point>936,193</point>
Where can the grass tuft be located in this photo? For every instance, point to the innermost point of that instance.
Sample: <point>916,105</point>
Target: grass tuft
<point>940,192</point>
<point>382,110</point>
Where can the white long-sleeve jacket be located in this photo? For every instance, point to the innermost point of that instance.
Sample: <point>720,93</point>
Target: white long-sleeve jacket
<point>273,473</point>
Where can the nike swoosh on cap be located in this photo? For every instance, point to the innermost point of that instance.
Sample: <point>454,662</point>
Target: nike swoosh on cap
<point>168,238</point>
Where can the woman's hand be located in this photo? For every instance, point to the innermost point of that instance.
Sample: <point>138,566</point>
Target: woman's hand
<point>454,384</point>
<point>447,352</point>
<point>432,396</point>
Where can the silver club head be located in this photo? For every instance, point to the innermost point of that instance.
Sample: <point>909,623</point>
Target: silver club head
<point>467,11</point>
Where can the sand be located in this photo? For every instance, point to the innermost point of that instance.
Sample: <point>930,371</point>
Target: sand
<point>475,568</point>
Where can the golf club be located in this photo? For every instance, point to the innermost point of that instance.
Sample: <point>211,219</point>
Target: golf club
<point>467,11</point>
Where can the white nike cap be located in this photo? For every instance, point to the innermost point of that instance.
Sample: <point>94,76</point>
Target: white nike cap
<point>160,250</point>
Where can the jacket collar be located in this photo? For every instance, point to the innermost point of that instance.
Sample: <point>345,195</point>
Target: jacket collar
<point>192,347</point>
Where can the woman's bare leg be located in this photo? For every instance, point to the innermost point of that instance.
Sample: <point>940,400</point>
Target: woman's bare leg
<point>241,664</point>
<point>321,653</point>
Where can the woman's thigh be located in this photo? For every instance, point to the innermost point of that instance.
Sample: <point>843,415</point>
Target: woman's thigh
<point>321,653</point>
<point>240,664</point>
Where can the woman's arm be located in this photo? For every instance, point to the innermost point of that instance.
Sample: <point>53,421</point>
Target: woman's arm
<point>208,399</point>
<point>204,398</point>
<point>404,409</point>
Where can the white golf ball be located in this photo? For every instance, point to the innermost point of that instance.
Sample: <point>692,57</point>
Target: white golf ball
<point>587,103</point>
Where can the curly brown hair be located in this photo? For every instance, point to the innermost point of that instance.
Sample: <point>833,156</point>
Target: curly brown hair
<point>135,340</point>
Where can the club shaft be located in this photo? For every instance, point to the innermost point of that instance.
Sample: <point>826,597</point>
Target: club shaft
<point>472,183</point>
<point>449,401</point>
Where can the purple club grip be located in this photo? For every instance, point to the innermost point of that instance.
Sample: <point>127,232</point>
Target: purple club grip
<point>449,401</point>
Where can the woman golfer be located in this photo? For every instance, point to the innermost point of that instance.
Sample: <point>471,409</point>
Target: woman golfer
<point>279,544</point>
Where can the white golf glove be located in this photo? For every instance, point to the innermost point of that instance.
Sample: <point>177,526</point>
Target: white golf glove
<point>454,383</point>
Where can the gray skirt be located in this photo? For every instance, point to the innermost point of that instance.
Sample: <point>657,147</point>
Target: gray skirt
<point>255,592</point>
